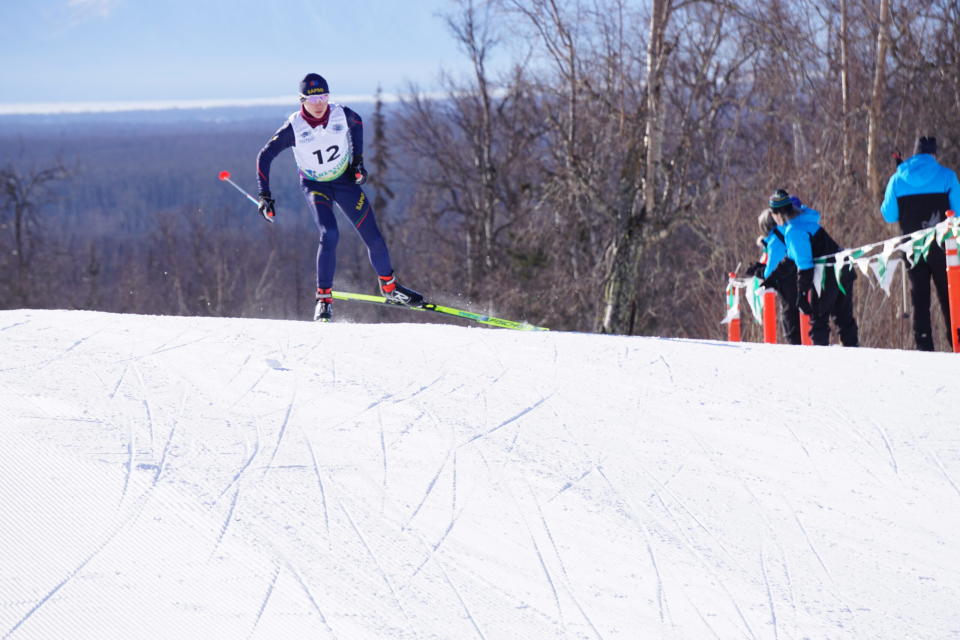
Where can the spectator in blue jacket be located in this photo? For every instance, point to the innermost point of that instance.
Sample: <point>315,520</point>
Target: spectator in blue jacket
<point>779,273</point>
<point>918,195</point>
<point>805,240</point>
<point>327,143</point>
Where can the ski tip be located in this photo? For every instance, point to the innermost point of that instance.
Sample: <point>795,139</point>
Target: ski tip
<point>224,175</point>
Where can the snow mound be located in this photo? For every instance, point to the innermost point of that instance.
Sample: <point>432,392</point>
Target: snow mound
<point>168,477</point>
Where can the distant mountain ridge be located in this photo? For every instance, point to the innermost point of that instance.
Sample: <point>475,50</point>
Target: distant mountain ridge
<point>44,115</point>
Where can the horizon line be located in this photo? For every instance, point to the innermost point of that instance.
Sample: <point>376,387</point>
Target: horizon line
<point>117,106</point>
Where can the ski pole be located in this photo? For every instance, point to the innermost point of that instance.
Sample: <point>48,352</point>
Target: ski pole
<point>225,175</point>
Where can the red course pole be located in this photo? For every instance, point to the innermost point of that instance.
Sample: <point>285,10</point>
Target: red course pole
<point>953,285</point>
<point>733,327</point>
<point>805,329</point>
<point>770,316</point>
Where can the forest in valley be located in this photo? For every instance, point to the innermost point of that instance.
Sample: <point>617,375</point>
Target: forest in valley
<point>608,181</point>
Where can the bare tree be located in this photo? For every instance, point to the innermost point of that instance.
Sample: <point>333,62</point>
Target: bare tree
<point>380,159</point>
<point>877,92</point>
<point>470,151</point>
<point>22,193</point>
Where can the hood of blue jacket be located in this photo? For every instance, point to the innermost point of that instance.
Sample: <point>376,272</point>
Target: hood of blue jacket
<point>919,170</point>
<point>808,220</point>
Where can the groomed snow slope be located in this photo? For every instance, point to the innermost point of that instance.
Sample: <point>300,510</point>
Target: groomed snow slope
<point>166,477</point>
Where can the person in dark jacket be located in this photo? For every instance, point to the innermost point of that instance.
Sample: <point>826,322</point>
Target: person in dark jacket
<point>805,240</point>
<point>327,143</point>
<point>779,273</point>
<point>918,195</point>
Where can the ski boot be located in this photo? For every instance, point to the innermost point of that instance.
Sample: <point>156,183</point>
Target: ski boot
<point>324,310</point>
<point>396,293</point>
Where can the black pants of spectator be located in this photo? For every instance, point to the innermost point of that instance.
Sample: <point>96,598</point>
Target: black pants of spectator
<point>833,303</point>
<point>789,312</point>
<point>935,267</point>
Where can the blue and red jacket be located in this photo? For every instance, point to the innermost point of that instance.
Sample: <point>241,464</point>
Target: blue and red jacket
<point>284,139</point>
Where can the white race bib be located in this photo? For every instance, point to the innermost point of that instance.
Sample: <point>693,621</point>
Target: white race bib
<point>322,153</point>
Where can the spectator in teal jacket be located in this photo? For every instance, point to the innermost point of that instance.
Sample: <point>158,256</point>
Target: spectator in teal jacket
<point>805,240</point>
<point>918,195</point>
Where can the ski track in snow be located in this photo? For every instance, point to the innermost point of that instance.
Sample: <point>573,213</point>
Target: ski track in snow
<point>433,549</point>
<point>134,516</point>
<point>313,601</point>
<point>813,548</point>
<point>245,466</point>
<point>62,354</point>
<point>15,324</point>
<point>943,471</point>
<point>426,494</point>
<point>166,446</point>
<point>563,569</point>
<point>886,443</point>
<point>504,484</point>
<point>766,584</point>
<point>128,466</point>
<point>379,567</point>
<point>266,599</point>
<point>146,404</point>
<point>456,592</point>
<point>323,493</point>
<point>283,430</point>
<point>383,453</point>
<point>570,484</point>
<point>508,421</point>
<point>634,515</point>
<point>116,387</point>
<point>226,522</point>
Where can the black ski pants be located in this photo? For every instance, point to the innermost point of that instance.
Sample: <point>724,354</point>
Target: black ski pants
<point>833,303</point>
<point>789,311</point>
<point>935,267</point>
<point>784,280</point>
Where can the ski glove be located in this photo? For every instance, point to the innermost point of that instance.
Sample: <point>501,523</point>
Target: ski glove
<point>805,290</point>
<point>756,269</point>
<point>359,173</point>
<point>266,207</point>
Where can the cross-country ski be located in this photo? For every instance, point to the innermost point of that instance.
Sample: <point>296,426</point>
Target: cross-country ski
<point>437,308</point>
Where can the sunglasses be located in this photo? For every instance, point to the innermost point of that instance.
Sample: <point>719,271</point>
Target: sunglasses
<point>315,98</point>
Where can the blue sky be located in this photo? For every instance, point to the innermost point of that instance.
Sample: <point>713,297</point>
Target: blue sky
<point>180,50</point>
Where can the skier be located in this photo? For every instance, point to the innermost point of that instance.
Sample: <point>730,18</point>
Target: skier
<point>805,240</point>
<point>918,195</point>
<point>779,273</point>
<point>327,142</point>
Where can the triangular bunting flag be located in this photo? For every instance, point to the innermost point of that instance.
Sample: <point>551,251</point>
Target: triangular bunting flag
<point>818,272</point>
<point>885,273</point>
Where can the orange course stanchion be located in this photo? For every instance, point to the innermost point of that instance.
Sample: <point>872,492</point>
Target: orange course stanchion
<point>953,283</point>
<point>805,338</point>
<point>733,310</point>
<point>770,316</point>
<point>733,330</point>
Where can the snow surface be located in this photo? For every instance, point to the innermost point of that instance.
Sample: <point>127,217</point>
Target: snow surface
<point>165,477</point>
